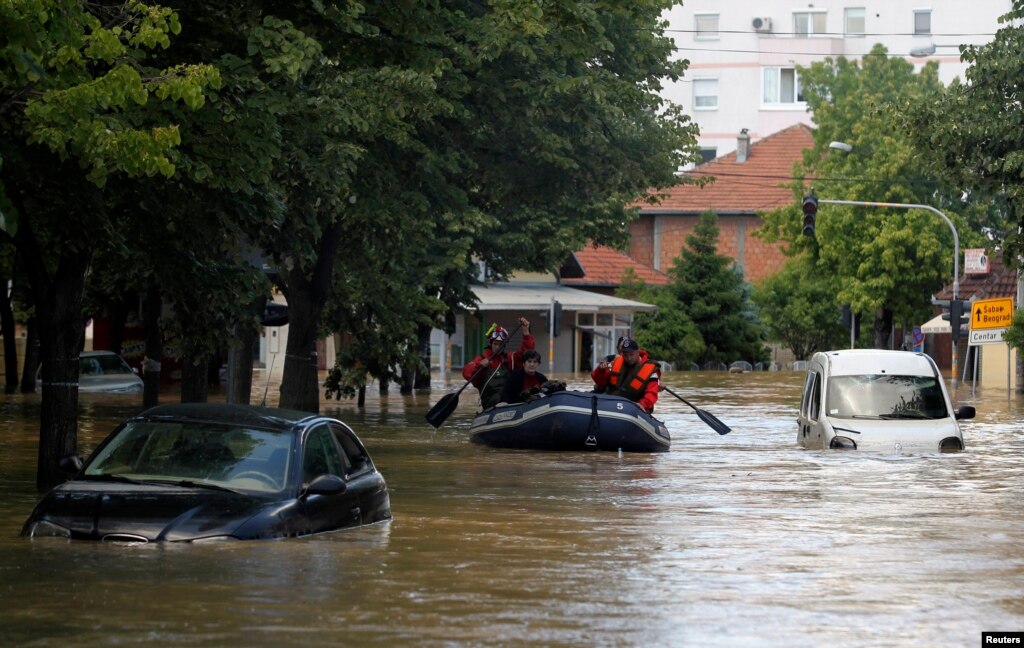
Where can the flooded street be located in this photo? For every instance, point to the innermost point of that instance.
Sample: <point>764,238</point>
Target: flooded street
<point>736,540</point>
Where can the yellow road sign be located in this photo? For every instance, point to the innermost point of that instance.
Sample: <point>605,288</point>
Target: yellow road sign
<point>991,313</point>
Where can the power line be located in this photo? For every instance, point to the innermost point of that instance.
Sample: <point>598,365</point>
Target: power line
<point>749,32</point>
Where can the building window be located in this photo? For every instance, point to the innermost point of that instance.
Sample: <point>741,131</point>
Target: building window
<point>781,87</point>
<point>854,23</point>
<point>706,26</point>
<point>809,23</point>
<point>708,154</point>
<point>922,21</point>
<point>705,94</point>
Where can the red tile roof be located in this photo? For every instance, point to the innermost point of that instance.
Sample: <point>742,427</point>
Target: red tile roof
<point>603,267</point>
<point>1000,281</point>
<point>758,184</point>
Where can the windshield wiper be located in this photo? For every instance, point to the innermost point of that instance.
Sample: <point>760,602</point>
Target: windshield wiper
<point>188,483</point>
<point>114,477</point>
<point>906,415</point>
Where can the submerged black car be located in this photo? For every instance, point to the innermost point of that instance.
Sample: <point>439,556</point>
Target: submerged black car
<point>197,472</point>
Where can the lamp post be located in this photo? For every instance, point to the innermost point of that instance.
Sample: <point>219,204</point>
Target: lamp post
<point>922,51</point>
<point>956,250</point>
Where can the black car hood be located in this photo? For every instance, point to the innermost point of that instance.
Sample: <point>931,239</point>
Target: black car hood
<point>111,511</point>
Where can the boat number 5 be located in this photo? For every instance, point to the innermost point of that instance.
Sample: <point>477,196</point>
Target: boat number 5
<point>618,405</point>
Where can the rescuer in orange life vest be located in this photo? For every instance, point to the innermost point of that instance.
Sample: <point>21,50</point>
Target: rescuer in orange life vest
<point>631,374</point>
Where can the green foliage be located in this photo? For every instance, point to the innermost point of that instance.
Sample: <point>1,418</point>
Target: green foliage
<point>973,131</point>
<point>714,295</point>
<point>669,334</point>
<point>885,262</point>
<point>799,307</point>
<point>1014,335</point>
<point>705,314</point>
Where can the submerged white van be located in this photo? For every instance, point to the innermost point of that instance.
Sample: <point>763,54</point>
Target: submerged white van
<point>882,401</point>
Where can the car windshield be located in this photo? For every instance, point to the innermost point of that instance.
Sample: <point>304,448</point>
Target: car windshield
<point>100,365</point>
<point>885,396</point>
<point>234,457</point>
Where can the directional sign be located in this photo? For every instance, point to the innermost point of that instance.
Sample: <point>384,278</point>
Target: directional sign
<point>991,313</point>
<point>986,336</point>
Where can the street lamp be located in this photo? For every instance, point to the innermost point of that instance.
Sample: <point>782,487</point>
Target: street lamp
<point>922,51</point>
<point>841,146</point>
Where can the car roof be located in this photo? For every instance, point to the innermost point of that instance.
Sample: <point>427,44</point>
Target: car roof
<point>878,361</point>
<point>249,415</point>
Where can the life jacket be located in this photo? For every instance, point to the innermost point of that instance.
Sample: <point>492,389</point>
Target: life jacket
<point>494,380</point>
<point>631,381</point>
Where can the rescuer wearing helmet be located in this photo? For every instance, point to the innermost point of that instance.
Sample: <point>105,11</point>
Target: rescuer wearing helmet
<point>497,363</point>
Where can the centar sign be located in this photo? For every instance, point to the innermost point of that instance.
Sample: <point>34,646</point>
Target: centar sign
<point>991,313</point>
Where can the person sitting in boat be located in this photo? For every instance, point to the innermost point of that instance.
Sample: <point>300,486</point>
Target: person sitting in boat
<point>632,375</point>
<point>524,380</point>
<point>490,370</point>
<point>603,371</point>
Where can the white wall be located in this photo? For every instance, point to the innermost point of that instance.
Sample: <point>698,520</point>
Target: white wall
<point>737,56</point>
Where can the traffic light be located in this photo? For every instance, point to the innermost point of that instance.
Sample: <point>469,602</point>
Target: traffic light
<point>557,320</point>
<point>810,211</point>
<point>957,318</point>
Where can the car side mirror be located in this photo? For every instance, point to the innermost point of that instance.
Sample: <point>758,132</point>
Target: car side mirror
<point>326,485</point>
<point>964,412</point>
<point>70,464</point>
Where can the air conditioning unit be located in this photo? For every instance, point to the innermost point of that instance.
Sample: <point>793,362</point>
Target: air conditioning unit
<point>761,24</point>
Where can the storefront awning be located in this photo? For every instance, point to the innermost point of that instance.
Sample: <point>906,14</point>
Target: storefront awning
<point>936,325</point>
<point>525,296</point>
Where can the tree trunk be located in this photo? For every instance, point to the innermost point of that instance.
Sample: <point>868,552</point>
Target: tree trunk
<point>58,304</point>
<point>152,307</point>
<point>28,372</point>
<point>299,387</point>
<point>194,380</point>
<point>882,328</point>
<point>306,298</point>
<point>421,380</point>
<point>241,369</point>
<point>118,319</point>
<point>7,328</point>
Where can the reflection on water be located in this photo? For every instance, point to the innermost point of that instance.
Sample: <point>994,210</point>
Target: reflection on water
<point>742,539</point>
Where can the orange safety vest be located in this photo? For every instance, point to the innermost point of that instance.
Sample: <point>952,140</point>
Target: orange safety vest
<point>630,381</point>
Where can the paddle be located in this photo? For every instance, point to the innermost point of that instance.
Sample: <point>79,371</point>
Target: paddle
<point>444,407</point>
<point>707,417</point>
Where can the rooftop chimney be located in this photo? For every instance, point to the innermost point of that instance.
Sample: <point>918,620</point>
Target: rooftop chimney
<point>742,146</point>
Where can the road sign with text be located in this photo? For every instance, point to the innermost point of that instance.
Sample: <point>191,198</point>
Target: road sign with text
<point>986,336</point>
<point>991,313</point>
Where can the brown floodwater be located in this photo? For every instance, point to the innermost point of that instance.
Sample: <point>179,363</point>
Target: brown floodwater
<point>736,540</point>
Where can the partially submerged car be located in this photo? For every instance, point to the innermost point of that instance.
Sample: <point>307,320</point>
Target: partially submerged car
<point>886,401</point>
<point>197,472</point>
<point>104,372</point>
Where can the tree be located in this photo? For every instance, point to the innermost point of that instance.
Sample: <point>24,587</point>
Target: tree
<point>78,105</point>
<point>669,334</point>
<point>973,133</point>
<point>884,263</point>
<point>710,289</point>
<point>799,307</point>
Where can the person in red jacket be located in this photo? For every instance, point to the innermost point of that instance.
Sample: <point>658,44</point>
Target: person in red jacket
<point>490,370</point>
<point>632,374</point>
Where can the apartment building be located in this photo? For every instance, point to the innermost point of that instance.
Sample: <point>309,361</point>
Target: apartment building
<point>744,54</point>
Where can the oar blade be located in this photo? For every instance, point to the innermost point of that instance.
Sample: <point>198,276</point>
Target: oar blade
<point>713,422</point>
<point>442,410</point>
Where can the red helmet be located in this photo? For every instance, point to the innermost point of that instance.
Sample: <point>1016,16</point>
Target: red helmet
<point>499,333</point>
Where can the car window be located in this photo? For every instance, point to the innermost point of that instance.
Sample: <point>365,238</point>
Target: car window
<point>806,397</point>
<point>354,453</point>
<point>886,396</point>
<point>321,456</point>
<point>814,406</point>
<point>238,457</point>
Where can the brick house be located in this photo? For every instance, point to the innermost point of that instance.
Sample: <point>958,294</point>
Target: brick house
<point>748,181</point>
